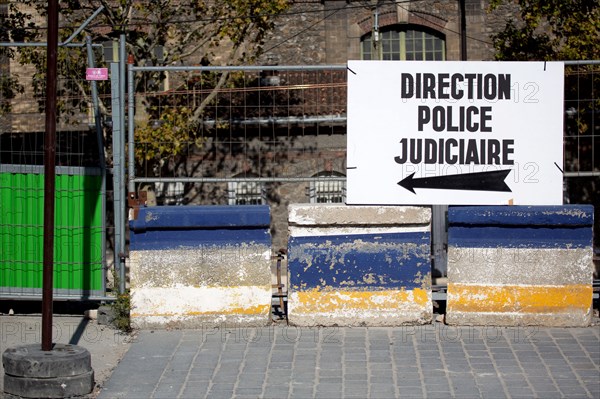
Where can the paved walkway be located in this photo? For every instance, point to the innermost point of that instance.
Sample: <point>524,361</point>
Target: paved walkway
<point>434,361</point>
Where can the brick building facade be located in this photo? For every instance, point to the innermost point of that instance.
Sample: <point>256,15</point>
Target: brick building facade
<point>331,32</point>
<point>314,32</point>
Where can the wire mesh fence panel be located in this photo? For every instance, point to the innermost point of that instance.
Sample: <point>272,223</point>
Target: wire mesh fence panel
<point>240,124</point>
<point>245,135</point>
<point>582,141</point>
<point>256,135</point>
<point>80,228</point>
<point>582,111</point>
<point>253,118</point>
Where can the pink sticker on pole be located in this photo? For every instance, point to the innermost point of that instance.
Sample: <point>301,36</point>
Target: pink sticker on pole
<point>96,74</point>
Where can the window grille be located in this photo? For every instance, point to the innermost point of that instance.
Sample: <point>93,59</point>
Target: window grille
<point>169,193</point>
<point>245,193</point>
<point>328,191</point>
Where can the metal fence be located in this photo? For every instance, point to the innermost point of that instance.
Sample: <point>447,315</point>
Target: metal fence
<point>582,119</point>
<point>80,224</point>
<point>262,134</point>
<point>238,135</point>
<point>267,127</point>
<point>265,124</point>
<point>260,116</point>
<point>582,141</point>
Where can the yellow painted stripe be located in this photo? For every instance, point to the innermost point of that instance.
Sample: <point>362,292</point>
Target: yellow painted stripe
<point>524,299</point>
<point>252,310</point>
<point>319,301</point>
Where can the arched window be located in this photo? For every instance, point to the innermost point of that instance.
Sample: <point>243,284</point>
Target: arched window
<point>327,190</point>
<point>404,43</point>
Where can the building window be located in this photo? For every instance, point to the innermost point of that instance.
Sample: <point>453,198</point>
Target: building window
<point>399,43</point>
<point>327,190</point>
<point>245,193</point>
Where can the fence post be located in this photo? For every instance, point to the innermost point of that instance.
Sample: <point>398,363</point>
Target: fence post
<point>118,167</point>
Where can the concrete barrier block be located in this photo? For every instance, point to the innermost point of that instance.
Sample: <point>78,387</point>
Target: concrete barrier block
<point>519,265</point>
<point>194,266</point>
<point>359,265</point>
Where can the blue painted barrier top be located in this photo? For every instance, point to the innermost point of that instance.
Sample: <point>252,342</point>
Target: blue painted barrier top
<point>201,217</point>
<point>560,215</point>
<point>179,227</point>
<point>565,226</point>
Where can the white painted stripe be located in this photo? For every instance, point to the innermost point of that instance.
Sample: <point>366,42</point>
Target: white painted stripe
<point>185,300</point>
<point>313,231</point>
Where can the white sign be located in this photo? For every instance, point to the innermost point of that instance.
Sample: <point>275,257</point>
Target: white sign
<point>96,74</point>
<point>455,133</point>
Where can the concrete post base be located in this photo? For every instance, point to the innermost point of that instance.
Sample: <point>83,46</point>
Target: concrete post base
<point>65,371</point>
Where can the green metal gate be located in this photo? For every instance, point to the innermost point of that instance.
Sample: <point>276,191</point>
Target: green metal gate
<point>79,255</point>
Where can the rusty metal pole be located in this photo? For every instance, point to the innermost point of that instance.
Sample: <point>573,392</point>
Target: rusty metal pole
<point>279,286</point>
<point>49,175</point>
<point>463,31</point>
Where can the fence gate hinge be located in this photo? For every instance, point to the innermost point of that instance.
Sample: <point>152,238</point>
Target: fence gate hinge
<point>135,202</point>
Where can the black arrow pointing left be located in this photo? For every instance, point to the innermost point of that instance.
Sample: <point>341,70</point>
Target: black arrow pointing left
<point>480,181</point>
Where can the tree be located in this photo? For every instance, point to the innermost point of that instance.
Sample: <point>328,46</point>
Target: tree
<point>223,32</point>
<point>9,88</point>
<point>564,30</point>
<point>549,30</point>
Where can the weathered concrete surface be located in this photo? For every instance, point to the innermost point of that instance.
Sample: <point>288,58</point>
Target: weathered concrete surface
<point>519,266</point>
<point>334,215</point>
<point>359,266</point>
<point>519,305</point>
<point>360,308</point>
<point>204,266</point>
<point>527,266</point>
<point>192,288</point>
<point>200,265</point>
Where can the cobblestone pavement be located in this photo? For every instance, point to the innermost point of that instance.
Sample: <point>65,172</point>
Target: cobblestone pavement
<point>433,361</point>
